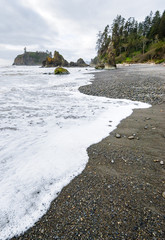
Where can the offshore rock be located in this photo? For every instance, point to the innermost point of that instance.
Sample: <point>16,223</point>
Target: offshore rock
<point>72,64</point>
<point>81,63</point>
<point>31,58</point>
<point>57,60</point>
<point>60,70</point>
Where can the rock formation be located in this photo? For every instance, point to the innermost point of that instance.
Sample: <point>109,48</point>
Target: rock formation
<point>81,63</point>
<point>108,61</point>
<point>60,70</point>
<point>31,58</point>
<point>58,60</point>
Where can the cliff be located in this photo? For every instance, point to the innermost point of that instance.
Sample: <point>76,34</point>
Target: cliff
<point>31,58</point>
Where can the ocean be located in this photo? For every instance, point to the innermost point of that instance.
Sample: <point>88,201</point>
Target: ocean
<point>46,125</point>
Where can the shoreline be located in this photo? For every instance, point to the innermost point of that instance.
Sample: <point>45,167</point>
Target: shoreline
<point>119,193</point>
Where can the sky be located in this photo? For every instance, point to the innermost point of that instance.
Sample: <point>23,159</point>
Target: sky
<point>67,26</point>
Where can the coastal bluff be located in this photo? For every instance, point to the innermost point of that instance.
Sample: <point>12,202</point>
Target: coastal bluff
<point>31,58</point>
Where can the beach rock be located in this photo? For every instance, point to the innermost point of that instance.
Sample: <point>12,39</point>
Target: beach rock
<point>60,70</point>
<point>100,66</point>
<point>131,137</point>
<point>163,194</point>
<point>118,135</point>
<point>109,67</point>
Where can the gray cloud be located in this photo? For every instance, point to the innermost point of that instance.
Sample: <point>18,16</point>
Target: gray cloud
<point>67,26</point>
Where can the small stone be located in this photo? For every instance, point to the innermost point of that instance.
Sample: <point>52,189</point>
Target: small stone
<point>163,194</point>
<point>118,135</point>
<point>112,161</point>
<point>131,137</point>
<point>146,127</point>
<point>161,162</point>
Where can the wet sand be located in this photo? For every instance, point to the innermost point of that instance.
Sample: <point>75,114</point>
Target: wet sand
<point>120,194</point>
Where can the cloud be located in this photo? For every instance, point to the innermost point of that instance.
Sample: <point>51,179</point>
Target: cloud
<point>66,26</point>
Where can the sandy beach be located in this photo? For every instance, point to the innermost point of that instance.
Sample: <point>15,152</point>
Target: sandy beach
<point>121,192</point>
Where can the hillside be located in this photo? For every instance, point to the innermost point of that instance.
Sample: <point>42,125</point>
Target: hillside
<point>133,41</point>
<point>154,53</point>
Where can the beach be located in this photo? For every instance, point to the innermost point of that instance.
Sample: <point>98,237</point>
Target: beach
<point>121,192</point>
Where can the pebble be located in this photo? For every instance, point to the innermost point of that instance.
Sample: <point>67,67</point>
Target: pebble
<point>163,194</point>
<point>146,127</point>
<point>118,135</point>
<point>161,162</point>
<point>131,137</point>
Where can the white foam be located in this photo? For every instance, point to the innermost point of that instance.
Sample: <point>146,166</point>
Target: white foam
<point>46,125</point>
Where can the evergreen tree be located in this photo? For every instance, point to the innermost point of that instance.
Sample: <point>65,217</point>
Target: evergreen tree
<point>161,30</point>
<point>117,33</point>
<point>154,30</point>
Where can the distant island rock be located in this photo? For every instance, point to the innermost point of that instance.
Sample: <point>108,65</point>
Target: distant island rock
<point>58,60</point>
<point>45,59</point>
<point>31,58</point>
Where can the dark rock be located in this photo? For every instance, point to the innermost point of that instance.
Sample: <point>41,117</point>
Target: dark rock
<point>72,64</point>
<point>81,63</point>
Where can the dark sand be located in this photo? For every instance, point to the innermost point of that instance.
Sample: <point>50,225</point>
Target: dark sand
<point>119,195</point>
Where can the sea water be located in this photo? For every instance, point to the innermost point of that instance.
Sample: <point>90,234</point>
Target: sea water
<point>46,125</point>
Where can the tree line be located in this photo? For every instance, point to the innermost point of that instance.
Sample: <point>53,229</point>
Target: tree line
<point>130,36</point>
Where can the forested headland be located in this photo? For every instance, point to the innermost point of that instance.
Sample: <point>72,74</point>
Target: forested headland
<point>133,41</point>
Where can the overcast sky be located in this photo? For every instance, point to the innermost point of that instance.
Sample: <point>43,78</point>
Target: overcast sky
<point>68,26</point>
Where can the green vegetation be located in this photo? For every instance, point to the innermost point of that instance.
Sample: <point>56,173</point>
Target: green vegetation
<point>60,70</point>
<point>133,41</point>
